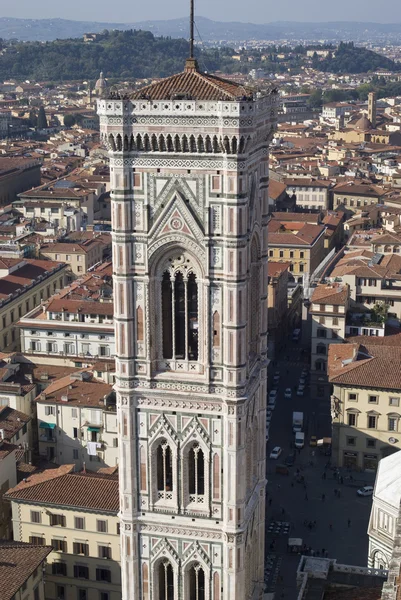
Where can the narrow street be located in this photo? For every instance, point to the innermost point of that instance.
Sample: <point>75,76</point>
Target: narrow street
<point>334,523</point>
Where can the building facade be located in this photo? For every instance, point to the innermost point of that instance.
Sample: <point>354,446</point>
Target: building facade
<point>189,180</point>
<point>365,402</point>
<point>76,515</point>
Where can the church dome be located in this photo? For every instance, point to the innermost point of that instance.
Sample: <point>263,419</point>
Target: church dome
<point>101,83</point>
<point>363,124</point>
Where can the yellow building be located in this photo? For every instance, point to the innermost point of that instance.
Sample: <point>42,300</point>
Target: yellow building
<point>75,514</point>
<point>365,402</point>
<point>355,197</point>
<point>24,283</point>
<point>299,244</point>
<point>22,571</point>
<point>78,256</point>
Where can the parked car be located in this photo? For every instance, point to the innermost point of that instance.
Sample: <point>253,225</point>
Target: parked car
<point>273,395</point>
<point>313,440</point>
<point>267,435</point>
<point>275,453</point>
<point>365,491</point>
<point>290,459</point>
<point>271,405</point>
<point>269,416</point>
<point>276,377</point>
<point>300,390</point>
<point>302,381</point>
<point>282,469</point>
<point>288,393</point>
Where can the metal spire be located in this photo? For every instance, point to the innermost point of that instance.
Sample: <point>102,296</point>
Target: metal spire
<point>191,31</point>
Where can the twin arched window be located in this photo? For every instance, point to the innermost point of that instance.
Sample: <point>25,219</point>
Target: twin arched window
<point>194,582</point>
<point>180,316</point>
<point>193,465</point>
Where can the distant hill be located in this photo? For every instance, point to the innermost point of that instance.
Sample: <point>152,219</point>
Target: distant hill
<point>125,55</point>
<point>210,31</point>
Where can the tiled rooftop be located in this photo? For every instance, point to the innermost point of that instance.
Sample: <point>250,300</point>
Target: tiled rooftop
<point>64,487</point>
<point>18,561</point>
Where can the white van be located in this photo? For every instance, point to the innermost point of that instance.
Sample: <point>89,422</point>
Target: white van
<point>299,439</point>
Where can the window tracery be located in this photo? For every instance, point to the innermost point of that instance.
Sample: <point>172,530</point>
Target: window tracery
<point>180,324</point>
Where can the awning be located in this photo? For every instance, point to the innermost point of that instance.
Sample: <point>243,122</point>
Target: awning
<point>97,429</point>
<point>43,425</point>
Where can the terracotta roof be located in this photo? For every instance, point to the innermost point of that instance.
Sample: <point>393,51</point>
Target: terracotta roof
<point>194,85</point>
<point>306,182</point>
<point>85,307</point>
<point>367,365</point>
<point>276,188</point>
<point>305,236</point>
<point>299,217</point>
<point>18,561</point>
<point>79,393</point>
<point>334,294</point>
<point>63,487</point>
<point>361,189</point>
<point>277,268</point>
<point>25,275</point>
<point>11,421</point>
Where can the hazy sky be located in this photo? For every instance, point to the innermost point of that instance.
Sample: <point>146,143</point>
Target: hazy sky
<point>257,11</point>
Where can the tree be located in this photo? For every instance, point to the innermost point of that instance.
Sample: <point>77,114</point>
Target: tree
<point>316,99</point>
<point>69,120</point>
<point>42,121</point>
<point>380,312</point>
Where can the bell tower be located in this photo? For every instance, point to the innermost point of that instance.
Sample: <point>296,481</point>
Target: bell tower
<point>189,179</point>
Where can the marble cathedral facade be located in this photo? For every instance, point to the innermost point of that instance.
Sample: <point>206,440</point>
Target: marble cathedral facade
<point>189,178</point>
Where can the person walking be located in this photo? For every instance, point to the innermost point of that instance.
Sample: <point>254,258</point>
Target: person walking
<point>331,526</point>
<point>323,497</point>
<point>306,497</point>
<point>349,522</point>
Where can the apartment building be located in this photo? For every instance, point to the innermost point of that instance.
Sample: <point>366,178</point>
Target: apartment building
<point>297,243</point>
<point>354,197</point>
<point>22,568</point>
<point>63,191</point>
<point>372,278</point>
<point>8,479</point>
<point>328,313</point>
<point>77,422</point>
<point>384,512</point>
<point>365,401</point>
<point>76,514</point>
<point>311,194</point>
<point>277,305</point>
<point>70,328</point>
<point>24,283</point>
<point>62,216</point>
<point>79,257</point>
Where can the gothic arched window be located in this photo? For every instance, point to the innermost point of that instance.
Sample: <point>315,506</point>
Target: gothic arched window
<point>166,581</point>
<point>196,473</point>
<point>196,576</point>
<point>164,462</point>
<point>180,316</point>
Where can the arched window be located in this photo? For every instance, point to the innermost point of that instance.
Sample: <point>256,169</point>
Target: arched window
<point>196,473</point>
<point>196,577</point>
<point>166,581</point>
<point>164,462</point>
<point>180,316</point>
